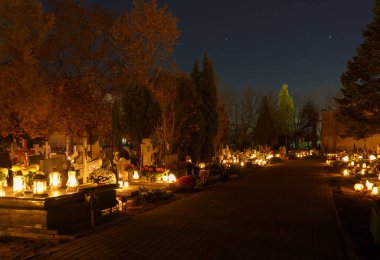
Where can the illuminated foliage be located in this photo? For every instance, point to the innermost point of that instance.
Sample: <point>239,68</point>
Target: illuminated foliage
<point>145,37</point>
<point>24,96</point>
<point>78,58</point>
<point>285,114</point>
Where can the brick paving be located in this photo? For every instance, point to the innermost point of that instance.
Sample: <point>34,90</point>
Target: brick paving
<point>281,212</point>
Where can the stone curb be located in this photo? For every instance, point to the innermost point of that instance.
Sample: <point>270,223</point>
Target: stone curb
<point>346,238</point>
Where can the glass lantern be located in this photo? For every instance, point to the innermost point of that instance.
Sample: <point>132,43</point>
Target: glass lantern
<point>54,180</point>
<point>136,175</point>
<point>72,182</point>
<point>18,185</point>
<point>40,187</point>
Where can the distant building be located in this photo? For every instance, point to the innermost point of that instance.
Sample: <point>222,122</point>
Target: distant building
<point>331,141</point>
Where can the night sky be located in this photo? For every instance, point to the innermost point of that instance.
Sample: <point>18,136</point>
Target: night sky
<point>264,43</point>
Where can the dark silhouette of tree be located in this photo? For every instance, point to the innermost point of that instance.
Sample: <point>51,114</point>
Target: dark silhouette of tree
<point>140,112</point>
<point>359,106</point>
<point>308,123</point>
<point>265,130</point>
<point>207,93</point>
<point>189,119</point>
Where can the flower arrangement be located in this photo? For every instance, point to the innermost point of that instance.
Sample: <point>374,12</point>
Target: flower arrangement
<point>3,174</point>
<point>146,170</point>
<point>128,167</point>
<point>186,182</point>
<point>102,176</point>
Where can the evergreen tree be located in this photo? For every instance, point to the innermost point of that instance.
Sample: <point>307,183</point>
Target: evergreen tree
<point>265,129</point>
<point>309,118</point>
<point>189,119</point>
<point>285,114</point>
<point>208,96</point>
<point>140,112</point>
<point>359,106</point>
<point>195,72</point>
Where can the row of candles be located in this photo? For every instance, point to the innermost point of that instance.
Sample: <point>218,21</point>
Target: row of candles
<point>369,187</point>
<point>40,184</point>
<point>170,178</point>
<point>361,168</point>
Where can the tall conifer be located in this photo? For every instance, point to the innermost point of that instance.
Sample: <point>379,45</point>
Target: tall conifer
<point>359,106</point>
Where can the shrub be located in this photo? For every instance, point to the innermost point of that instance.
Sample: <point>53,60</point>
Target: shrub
<point>186,182</point>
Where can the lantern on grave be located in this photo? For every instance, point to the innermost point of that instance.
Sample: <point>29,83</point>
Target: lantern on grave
<point>345,158</point>
<point>345,172</point>
<point>352,163</point>
<point>126,184</point>
<point>364,165</point>
<point>375,191</point>
<point>54,180</point>
<point>18,185</point>
<point>172,178</point>
<point>136,175</point>
<point>39,186</point>
<point>242,164</point>
<point>165,178</point>
<point>358,186</point>
<point>372,157</point>
<point>72,182</point>
<point>369,185</point>
<point>120,184</point>
<point>362,171</point>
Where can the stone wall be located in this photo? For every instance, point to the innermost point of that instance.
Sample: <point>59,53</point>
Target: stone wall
<point>331,141</point>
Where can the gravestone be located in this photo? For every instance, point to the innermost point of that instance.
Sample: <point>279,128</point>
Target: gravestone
<point>171,158</point>
<point>47,165</point>
<point>147,152</point>
<point>5,160</point>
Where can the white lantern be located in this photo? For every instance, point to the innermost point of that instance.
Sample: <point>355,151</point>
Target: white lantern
<point>54,180</point>
<point>165,178</point>
<point>345,158</point>
<point>345,172</point>
<point>136,175</point>
<point>362,171</point>
<point>39,187</point>
<point>72,182</point>
<point>369,185</point>
<point>375,191</point>
<point>364,165</point>
<point>120,184</point>
<point>372,157</point>
<point>126,184</point>
<point>358,186</point>
<point>242,164</point>
<point>172,178</point>
<point>18,185</point>
<point>352,163</point>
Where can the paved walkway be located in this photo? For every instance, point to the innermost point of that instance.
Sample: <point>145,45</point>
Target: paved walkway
<point>280,212</point>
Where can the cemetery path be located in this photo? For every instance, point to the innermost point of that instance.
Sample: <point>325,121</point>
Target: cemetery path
<point>279,212</point>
